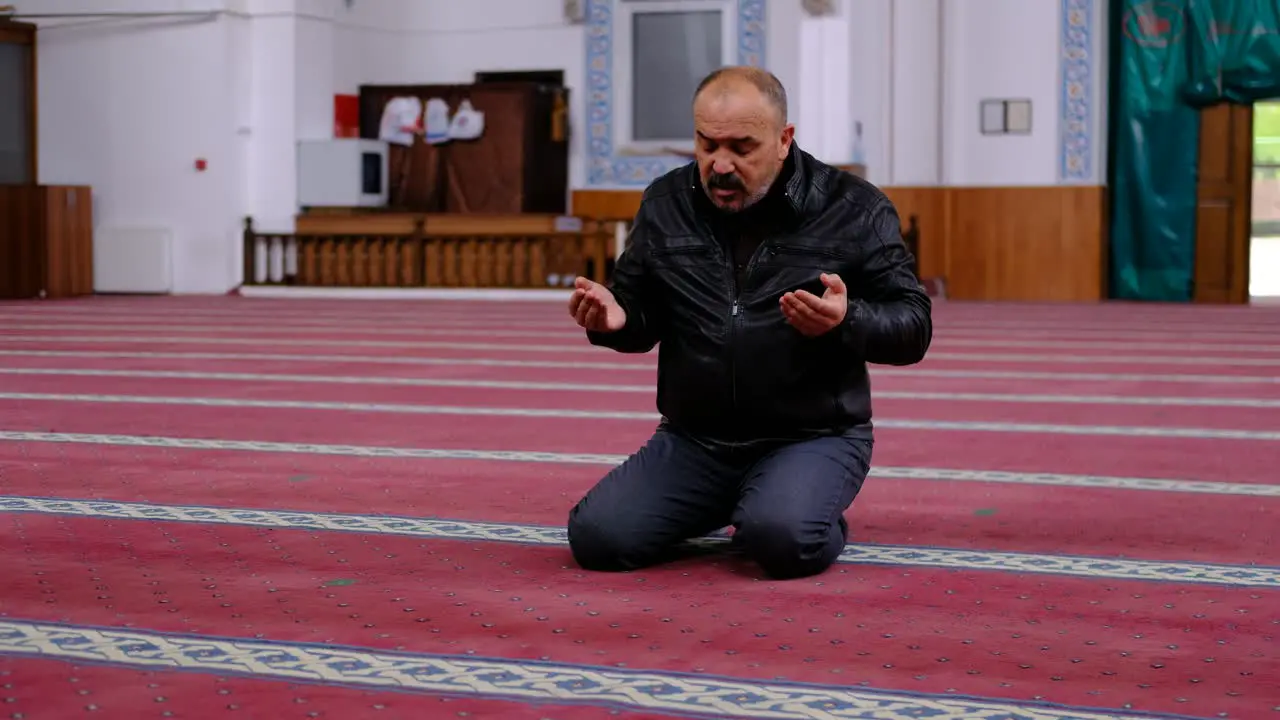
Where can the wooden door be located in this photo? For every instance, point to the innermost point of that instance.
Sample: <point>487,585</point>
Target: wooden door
<point>1223,204</point>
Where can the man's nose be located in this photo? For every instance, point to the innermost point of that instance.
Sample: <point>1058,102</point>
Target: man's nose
<point>722,166</point>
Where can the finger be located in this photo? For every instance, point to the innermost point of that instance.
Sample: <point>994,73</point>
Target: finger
<point>583,310</point>
<point>823,306</point>
<point>575,301</point>
<point>834,282</point>
<point>582,283</point>
<point>792,303</point>
<point>592,319</point>
<point>820,304</point>
<point>806,327</point>
<point>787,312</point>
<point>803,308</point>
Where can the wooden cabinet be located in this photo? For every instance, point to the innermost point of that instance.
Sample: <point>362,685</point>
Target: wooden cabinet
<point>520,164</point>
<point>46,241</point>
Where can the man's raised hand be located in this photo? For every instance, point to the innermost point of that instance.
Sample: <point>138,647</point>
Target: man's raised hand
<point>813,315</point>
<point>594,308</point>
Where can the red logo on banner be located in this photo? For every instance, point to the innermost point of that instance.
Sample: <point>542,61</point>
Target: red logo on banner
<point>1154,24</point>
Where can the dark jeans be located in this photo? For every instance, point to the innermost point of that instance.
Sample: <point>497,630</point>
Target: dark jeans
<point>786,506</point>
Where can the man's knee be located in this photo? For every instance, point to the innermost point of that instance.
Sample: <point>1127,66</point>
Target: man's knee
<point>602,544</point>
<point>787,547</point>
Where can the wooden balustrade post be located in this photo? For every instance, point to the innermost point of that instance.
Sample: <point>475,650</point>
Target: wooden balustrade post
<point>912,239</point>
<point>600,251</point>
<point>250,260</point>
<point>418,241</point>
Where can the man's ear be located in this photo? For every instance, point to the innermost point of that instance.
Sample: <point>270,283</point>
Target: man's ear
<point>788,135</point>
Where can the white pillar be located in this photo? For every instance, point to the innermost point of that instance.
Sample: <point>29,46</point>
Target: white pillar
<point>271,145</point>
<point>915,145</point>
<point>869,32</point>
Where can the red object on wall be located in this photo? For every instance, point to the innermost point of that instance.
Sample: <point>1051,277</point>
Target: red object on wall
<point>346,116</point>
<point>201,164</point>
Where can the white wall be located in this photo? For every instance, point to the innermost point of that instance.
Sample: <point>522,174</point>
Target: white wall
<point>919,71</point>
<point>989,53</point>
<point>128,105</point>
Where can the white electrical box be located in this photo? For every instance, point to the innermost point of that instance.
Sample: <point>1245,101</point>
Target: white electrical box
<point>343,172</point>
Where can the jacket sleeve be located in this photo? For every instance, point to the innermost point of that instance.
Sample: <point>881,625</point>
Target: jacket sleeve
<point>632,286</point>
<point>889,321</point>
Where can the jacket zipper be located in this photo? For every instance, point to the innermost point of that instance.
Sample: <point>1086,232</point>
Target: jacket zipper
<point>735,316</point>
<point>734,311</point>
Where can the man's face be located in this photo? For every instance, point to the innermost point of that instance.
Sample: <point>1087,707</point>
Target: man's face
<point>741,144</point>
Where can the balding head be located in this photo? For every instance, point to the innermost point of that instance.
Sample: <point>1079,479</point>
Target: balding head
<point>740,118</point>
<point>738,78</point>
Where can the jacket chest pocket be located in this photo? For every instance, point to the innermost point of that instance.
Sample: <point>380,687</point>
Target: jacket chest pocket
<point>692,290</point>
<point>682,256</point>
<point>786,267</point>
<point>804,256</point>
<point>690,270</point>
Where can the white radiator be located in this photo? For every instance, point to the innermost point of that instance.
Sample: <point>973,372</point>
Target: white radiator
<point>133,260</point>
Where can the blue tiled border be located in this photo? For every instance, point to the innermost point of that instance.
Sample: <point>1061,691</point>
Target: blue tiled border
<point>1076,159</point>
<point>604,167</point>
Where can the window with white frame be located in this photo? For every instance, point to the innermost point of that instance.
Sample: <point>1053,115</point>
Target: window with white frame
<point>662,49</point>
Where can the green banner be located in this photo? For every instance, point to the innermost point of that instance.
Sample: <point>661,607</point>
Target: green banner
<point>1234,53</point>
<point>1173,57</point>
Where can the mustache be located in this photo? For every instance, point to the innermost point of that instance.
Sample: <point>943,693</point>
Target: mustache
<point>725,181</point>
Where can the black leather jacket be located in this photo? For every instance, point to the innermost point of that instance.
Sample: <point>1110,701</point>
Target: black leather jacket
<point>731,371</point>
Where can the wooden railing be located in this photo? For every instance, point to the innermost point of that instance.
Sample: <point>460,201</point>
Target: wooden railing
<point>412,250</point>
<point>476,251</point>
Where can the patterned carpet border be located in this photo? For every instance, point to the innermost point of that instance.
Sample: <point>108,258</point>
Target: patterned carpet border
<point>528,681</point>
<point>855,554</point>
<point>622,366</point>
<point>472,410</point>
<point>604,460</point>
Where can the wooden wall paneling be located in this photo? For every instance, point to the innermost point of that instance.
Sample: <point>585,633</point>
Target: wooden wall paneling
<point>989,243</point>
<point>929,205</point>
<point>606,204</point>
<point>1026,243</point>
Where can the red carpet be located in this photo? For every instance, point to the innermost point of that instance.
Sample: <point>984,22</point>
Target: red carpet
<point>225,507</point>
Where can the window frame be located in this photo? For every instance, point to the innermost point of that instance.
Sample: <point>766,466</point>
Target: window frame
<point>626,10</point>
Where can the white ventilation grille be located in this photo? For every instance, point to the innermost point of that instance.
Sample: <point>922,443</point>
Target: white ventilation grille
<point>133,260</point>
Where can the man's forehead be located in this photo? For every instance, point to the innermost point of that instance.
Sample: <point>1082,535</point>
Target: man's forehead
<point>727,135</point>
<point>725,107</point>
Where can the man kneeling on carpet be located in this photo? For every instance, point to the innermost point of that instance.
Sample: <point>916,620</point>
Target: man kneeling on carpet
<point>768,280</point>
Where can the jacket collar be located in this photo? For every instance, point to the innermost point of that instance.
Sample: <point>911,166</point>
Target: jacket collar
<point>798,174</point>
